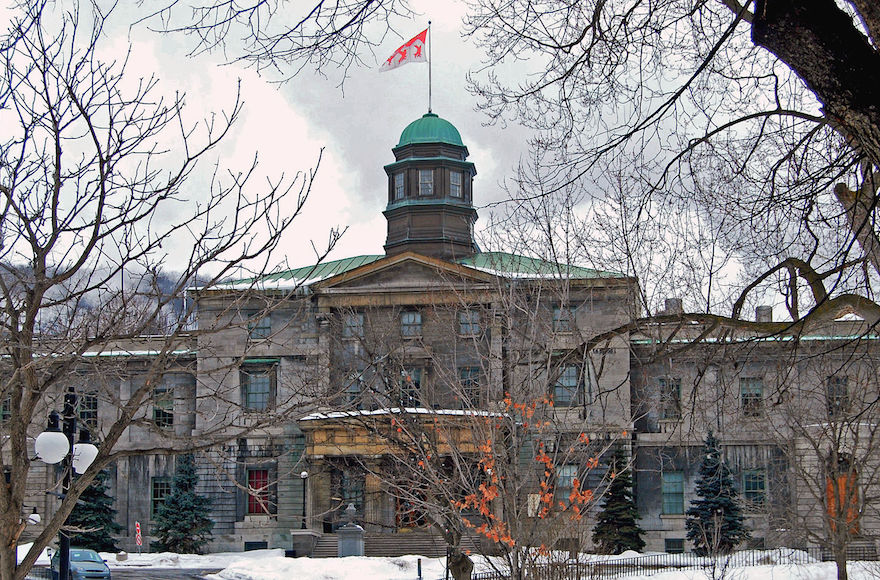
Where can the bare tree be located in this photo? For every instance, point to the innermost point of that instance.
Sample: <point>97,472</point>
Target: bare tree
<point>97,207</point>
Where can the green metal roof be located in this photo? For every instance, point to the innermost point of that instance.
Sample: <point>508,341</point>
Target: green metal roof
<point>496,263</point>
<point>504,264</point>
<point>430,129</point>
<point>310,274</point>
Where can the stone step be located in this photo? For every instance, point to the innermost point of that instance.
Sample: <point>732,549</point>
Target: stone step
<point>394,545</point>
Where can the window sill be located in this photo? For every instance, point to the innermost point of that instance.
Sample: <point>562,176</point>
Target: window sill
<point>673,516</point>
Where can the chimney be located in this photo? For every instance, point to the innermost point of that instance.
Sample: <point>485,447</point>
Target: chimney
<point>673,306</point>
<point>764,314</point>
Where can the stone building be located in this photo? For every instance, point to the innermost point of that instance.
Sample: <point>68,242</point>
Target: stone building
<point>314,362</point>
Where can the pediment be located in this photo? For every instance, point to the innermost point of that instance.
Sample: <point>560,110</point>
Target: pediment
<point>405,272</point>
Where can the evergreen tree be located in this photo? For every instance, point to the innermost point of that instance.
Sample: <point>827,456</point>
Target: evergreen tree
<point>616,529</point>
<point>94,515</point>
<point>181,523</point>
<point>714,521</point>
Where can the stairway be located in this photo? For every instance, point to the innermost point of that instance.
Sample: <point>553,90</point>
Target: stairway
<point>393,545</point>
<point>326,547</point>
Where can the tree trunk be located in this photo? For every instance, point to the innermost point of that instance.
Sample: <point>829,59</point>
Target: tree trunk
<point>460,564</point>
<point>819,42</point>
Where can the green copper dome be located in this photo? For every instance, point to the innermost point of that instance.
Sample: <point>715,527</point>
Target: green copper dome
<point>430,129</point>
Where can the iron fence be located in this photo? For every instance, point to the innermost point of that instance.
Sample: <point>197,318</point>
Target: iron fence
<point>608,569</point>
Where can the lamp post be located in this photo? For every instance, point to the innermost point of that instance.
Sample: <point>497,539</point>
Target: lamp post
<point>304,475</point>
<point>56,445</point>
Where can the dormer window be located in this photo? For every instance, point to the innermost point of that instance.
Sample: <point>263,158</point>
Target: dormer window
<point>426,182</point>
<point>455,183</point>
<point>399,191</point>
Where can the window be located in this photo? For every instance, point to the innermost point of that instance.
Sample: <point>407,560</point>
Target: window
<point>411,324</point>
<point>353,392</point>
<point>87,409</point>
<point>351,488</point>
<point>563,318</point>
<point>469,380</point>
<point>5,409</point>
<point>259,326</point>
<point>426,182</point>
<point>410,386</point>
<point>754,486</point>
<point>251,546</point>
<point>673,545</point>
<point>670,398</point>
<point>455,183</point>
<point>672,483</point>
<point>469,322</point>
<point>399,190</point>
<point>353,324</point>
<point>160,489</point>
<point>565,476</point>
<point>257,386</point>
<point>259,502</point>
<point>566,391</point>
<point>751,393</point>
<point>163,407</point>
<point>837,396</point>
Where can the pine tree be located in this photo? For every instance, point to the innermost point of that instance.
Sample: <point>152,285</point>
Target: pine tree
<point>94,515</point>
<point>181,523</point>
<point>616,529</point>
<point>714,521</point>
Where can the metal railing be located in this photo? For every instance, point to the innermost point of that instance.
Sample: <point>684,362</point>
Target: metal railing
<point>607,569</point>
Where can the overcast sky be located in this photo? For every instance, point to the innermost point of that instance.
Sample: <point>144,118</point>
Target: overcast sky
<point>358,126</point>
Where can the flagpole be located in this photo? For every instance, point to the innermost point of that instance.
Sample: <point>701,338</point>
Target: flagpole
<point>429,66</point>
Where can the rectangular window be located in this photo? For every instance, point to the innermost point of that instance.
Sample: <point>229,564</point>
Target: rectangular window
<point>160,489</point>
<point>410,387</point>
<point>5,409</point>
<point>352,485</point>
<point>455,183</point>
<point>259,326</point>
<point>754,487</point>
<point>251,546</point>
<point>751,393</point>
<point>670,398</point>
<point>674,545</point>
<point>259,502</point>
<point>353,392</point>
<point>257,386</point>
<point>411,324</point>
<point>565,476</point>
<point>353,325</point>
<point>837,396</point>
<point>426,182</point>
<point>87,409</point>
<point>469,381</point>
<point>163,407</point>
<point>399,190</point>
<point>672,483</point>
<point>566,390</point>
<point>563,318</point>
<point>469,322</point>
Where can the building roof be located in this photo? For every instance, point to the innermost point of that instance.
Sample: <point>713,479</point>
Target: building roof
<point>500,264</point>
<point>516,266</point>
<point>430,129</point>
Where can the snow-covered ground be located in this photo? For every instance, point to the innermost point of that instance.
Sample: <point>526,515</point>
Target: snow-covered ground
<point>272,565</point>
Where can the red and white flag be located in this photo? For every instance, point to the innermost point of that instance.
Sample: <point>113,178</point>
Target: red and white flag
<point>412,51</point>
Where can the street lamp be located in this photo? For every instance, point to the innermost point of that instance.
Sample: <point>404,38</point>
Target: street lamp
<point>55,445</point>
<point>304,475</point>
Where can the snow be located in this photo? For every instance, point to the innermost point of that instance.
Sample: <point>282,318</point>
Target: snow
<point>272,565</point>
<point>398,411</point>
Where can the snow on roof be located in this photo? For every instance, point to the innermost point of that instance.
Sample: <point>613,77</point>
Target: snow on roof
<point>399,411</point>
<point>125,352</point>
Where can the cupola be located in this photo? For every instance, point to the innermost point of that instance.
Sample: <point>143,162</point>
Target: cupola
<point>430,195</point>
